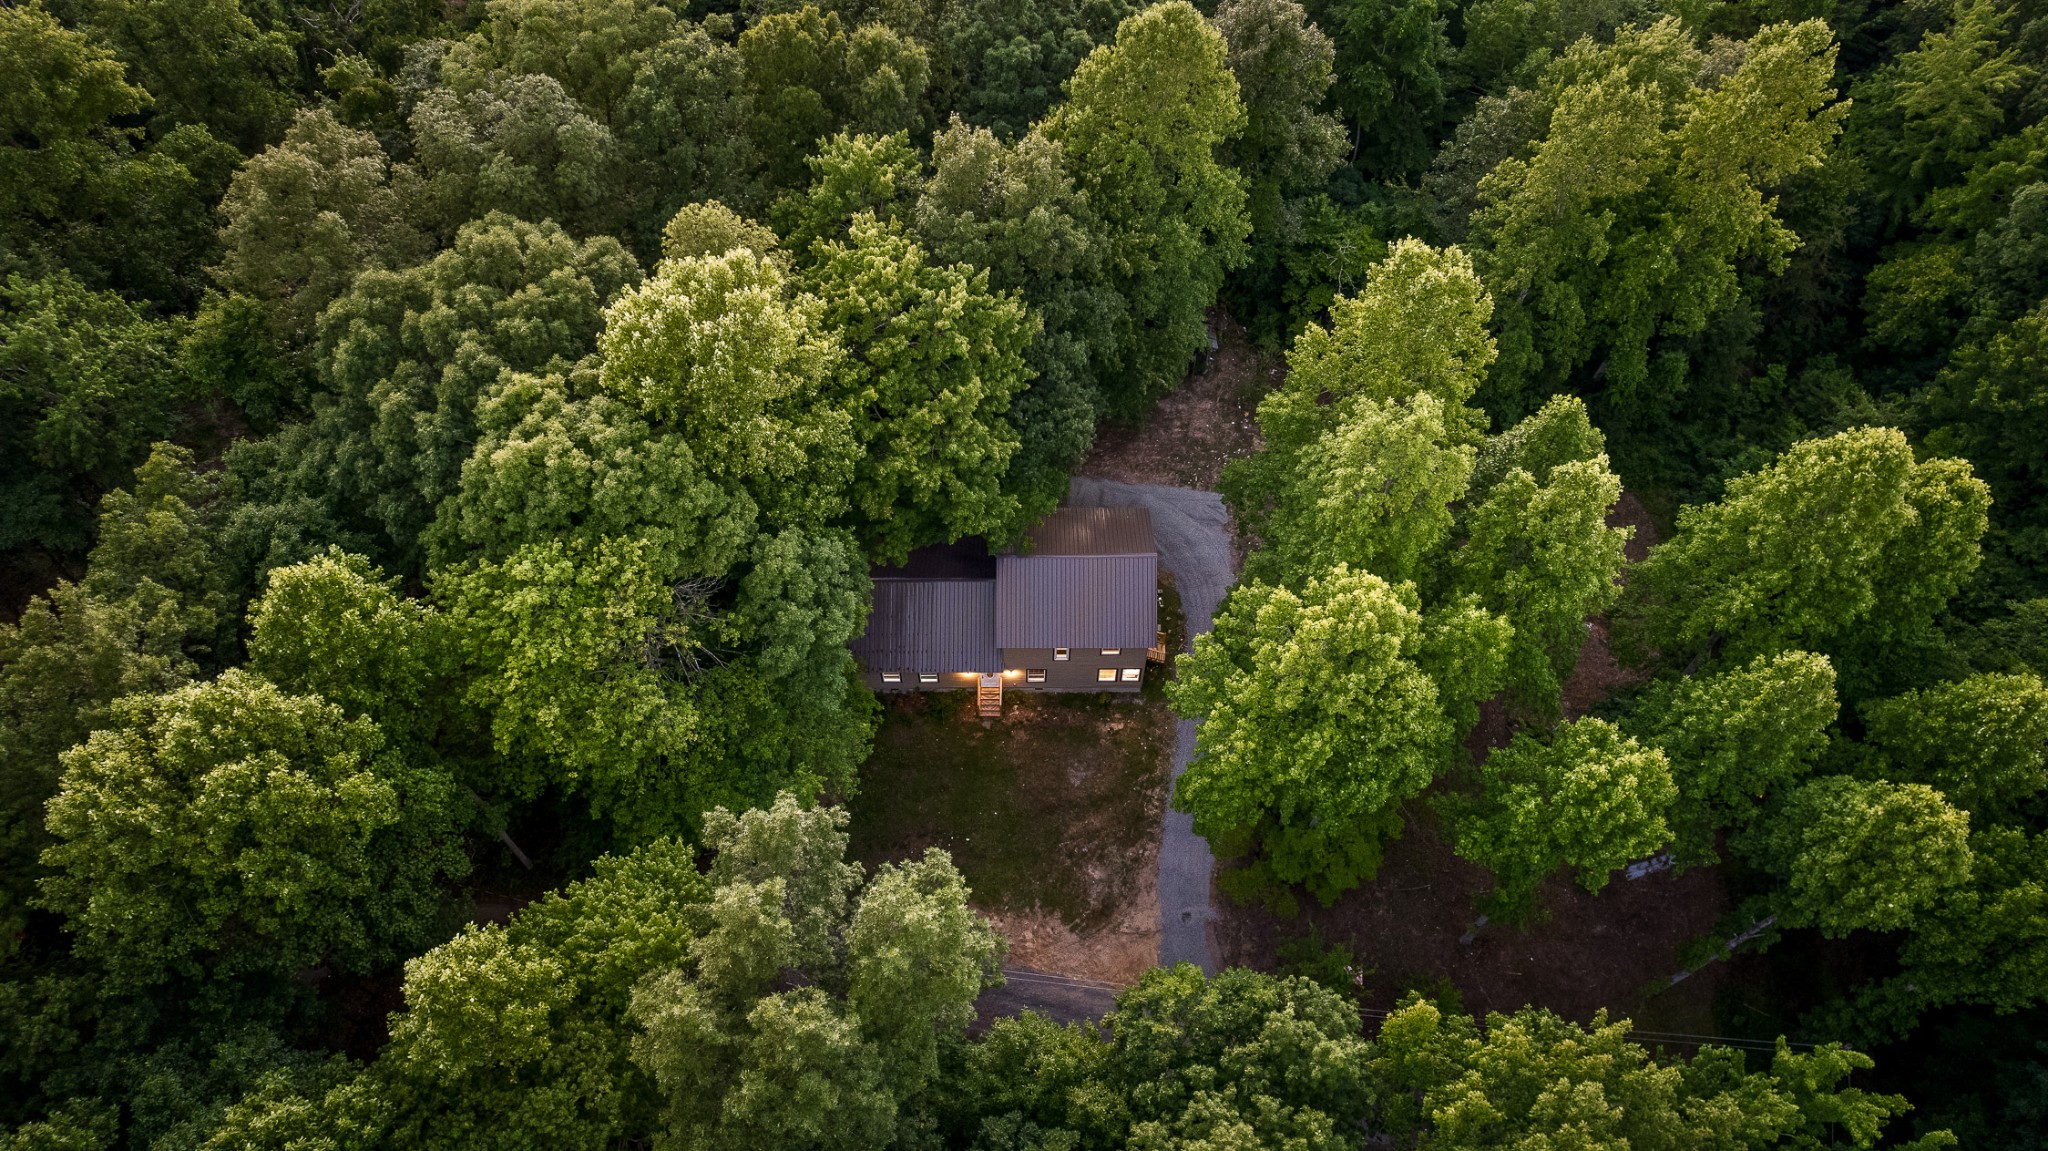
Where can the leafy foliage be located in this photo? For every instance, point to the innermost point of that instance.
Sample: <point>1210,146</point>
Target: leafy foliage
<point>234,803</point>
<point>1592,799</point>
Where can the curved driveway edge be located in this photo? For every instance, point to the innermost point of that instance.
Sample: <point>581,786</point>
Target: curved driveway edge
<point>1193,532</point>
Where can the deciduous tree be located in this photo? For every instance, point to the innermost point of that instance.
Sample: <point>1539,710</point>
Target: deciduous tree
<point>932,359</point>
<point>1736,737</point>
<point>1838,533</point>
<point>228,828</point>
<point>1626,221</point>
<point>1856,853</point>
<point>1315,715</point>
<point>1983,741</point>
<point>1143,120</point>
<point>1592,799</point>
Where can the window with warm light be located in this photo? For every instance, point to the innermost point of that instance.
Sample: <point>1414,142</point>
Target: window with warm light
<point>892,677</point>
<point>1105,675</point>
<point>1059,653</point>
<point>927,677</point>
<point>1112,651</point>
<point>1034,675</point>
<point>1131,674</point>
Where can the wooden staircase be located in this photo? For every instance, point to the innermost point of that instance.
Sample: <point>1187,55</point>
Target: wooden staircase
<point>1157,652</point>
<point>988,698</point>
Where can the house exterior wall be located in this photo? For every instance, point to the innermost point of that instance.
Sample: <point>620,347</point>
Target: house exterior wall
<point>1080,671</point>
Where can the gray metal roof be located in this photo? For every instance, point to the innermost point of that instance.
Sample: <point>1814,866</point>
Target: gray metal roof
<point>1093,532</point>
<point>1077,600</point>
<point>931,625</point>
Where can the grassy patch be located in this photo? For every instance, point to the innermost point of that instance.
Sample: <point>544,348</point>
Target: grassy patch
<point>1054,808</point>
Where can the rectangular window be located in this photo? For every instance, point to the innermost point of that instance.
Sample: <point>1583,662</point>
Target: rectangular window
<point>1105,675</point>
<point>1112,651</point>
<point>1034,675</point>
<point>892,677</point>
<point>927,677</point>
<point>1131,674</point>
<point>1059,653</point>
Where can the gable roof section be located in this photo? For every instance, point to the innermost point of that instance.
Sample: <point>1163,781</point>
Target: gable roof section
<point>1077,601</point>
<point>941,625</point>
<point>1093,532</point>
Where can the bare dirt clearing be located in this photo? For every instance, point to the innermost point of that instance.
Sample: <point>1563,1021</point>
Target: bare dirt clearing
<point>1189,435</point>
<point>1052,813</point>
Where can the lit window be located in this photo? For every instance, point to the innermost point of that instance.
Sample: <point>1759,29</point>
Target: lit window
<point>1112,651</point>
<point>927,677</point>
<point>1034,675</point>
<point>1105,675</point>
<point>1131,674</point>
<point>1059,653</point>
<point>892,677</point>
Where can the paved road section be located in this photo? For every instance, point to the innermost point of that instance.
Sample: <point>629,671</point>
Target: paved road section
<point>1065,999</point>
<point>1193,532</point>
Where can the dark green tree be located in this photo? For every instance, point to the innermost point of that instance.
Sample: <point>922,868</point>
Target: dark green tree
<point>1142,126</point>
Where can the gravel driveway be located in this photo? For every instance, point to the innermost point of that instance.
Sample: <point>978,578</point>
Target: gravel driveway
<point>1193,532</point>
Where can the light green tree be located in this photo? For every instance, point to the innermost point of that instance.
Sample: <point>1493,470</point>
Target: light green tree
<point>1523,1079</point>
<point>889,969</point>
<point>709,228</point>
<point>1374,492</point>
<point>1860,854</point>
<point>228,828</point>
<point>1013,210</point>
<point>1983,741</point>
<point>1735,738</point>
<point>1837,533</point>
<point>161,547</point>
<point>932,359</point>
<point>336,628</point>
<point>1317,721</point>
<point>1592,799</point>
<point>1143,120</point>
<point>1418,327</point>
<point>1540,553</point>
<point>62,665</point>
<point>1983,943</point>
<point>718,350</point>
<point>550,466</point>
<point>1242,1059</point>
<point>1627,220</point>
<point>512,1033</point>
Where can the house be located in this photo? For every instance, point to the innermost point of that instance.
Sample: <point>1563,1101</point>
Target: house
<point>1075,609</point>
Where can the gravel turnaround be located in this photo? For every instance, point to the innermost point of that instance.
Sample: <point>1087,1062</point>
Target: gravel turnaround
<point>1193,532</point>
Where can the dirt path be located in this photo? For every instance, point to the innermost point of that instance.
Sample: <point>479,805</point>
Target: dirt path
<point>1187,437</point>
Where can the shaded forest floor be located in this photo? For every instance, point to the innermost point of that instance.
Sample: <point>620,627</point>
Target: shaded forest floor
<point>1614,950</point>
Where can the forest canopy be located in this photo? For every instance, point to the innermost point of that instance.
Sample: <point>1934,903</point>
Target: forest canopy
<point>430,431</point>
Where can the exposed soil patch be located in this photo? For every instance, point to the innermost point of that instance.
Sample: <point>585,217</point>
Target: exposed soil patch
<point>1598,674</point>
<point>1615,950</point>
<point>1189,435</point>
<point>1052,813</point>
